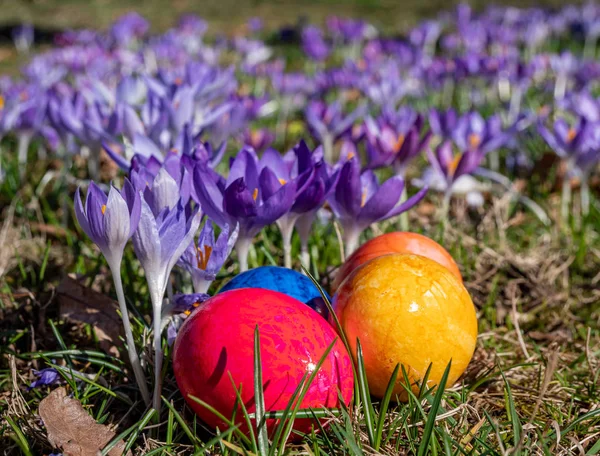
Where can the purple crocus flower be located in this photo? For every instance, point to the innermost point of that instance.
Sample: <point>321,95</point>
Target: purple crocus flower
<point>181,307</point>
<point>23,36</point>
<point>449,172</point>
<point>474,132</point>
<point>311,199</point>
<point>395,140</point>
<point>328,123</point>
<point>579,148</point>
<point>359,201</point>
<point>443,123</point>
<point>45,377</point>
<point>278,171</point>
<point>159,242</point>
<point>129,27</point>
<point>110,222</point>
<point>203,260</point>
<point>314,44</point>
<point>255,24</point>
<point>241,200</point>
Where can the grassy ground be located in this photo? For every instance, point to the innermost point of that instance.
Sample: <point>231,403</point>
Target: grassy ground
<point>230,14</point>
<point>532,387</point>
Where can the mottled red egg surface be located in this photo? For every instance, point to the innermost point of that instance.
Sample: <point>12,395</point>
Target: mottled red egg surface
<point>217,341</point>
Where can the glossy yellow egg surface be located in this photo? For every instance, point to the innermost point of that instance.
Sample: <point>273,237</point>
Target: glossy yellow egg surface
<point>410,310</point>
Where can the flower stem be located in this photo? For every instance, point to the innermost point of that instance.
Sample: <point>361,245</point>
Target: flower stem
<point>351,240</point>
<point>286,234</point>
<point>138,372</point>
<point>201,285</point>
<point>286,228</point>
<point>158,353</point>
<point>242,247</point>
<point>494,160</point>
<point>305,256</point>
<point>445,210</point>
<point>565,198</point>
<point>403,221</point>
<point>585,196</point>
<point>303,226</point>
<point>23,148</point>
<point>560,86</point>
<point>328,148</point>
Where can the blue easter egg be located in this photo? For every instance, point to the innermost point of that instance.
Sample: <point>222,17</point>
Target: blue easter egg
<point>283,280</point>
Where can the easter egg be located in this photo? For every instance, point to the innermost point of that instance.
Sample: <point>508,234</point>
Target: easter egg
<point>398,242</point>
<point>215,347</point>
<point>409,310</point>
<point>284,280</point>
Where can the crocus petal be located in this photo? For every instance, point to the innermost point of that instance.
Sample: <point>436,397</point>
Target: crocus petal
<point>273,160</point>
<point>444,156</point>
<point>467,163</point>
<point>551,140</point>
<point>94,204</point>
<point>406,205</point>
<point>165,191</point>
<point>145,146</point>
<point>209,196</point>
<point>191,228</point>
<point>348,191</point>
<point>146,243</point>
<point>311,198</point>
<point>81,216</point>
<point>121,161</point>
<point>273,208</point>
<point>116,223</point>
<point>369,185</point>
<point>244,166</point>
<point>382,201</point>
<point>238,201</point>
<point>269,183</point>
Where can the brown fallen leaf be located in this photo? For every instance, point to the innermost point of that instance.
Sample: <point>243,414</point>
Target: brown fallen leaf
<point>73,429</point>
<point>80,304</point>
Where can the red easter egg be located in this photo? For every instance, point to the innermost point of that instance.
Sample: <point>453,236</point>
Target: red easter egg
<point>398,242</point>
<point>217,341</point>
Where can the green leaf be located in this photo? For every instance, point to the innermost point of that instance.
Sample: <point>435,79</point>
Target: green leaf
<point>430,423</point>
<point>511,411</point>
<point>365,395</point>
<point>259,397</point>
<point>383,407</point>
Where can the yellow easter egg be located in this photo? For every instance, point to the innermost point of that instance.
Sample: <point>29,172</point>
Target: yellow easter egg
<point>409,310</point>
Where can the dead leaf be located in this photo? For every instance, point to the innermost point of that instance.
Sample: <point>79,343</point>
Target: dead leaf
<point>83,305</point>
<point>73,429</point>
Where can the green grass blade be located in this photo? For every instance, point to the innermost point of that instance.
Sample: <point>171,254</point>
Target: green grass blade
<point>365,395</point>
<point>430,423</point>
<point>181,421</point>
<point>284,415</point>
<point>259,397</point>
<point>383,407</point>
<point>61,342</point>
<point>511,411</point>
<point>240,402</point>
<point>303,392</point>
<point>45,262</point>
<point>19,437</point>
<point>131,430</point>
<point>582,418</point>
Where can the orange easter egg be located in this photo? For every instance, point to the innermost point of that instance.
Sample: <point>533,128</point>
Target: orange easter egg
<point>398,242</point>
<point>409,310</point>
